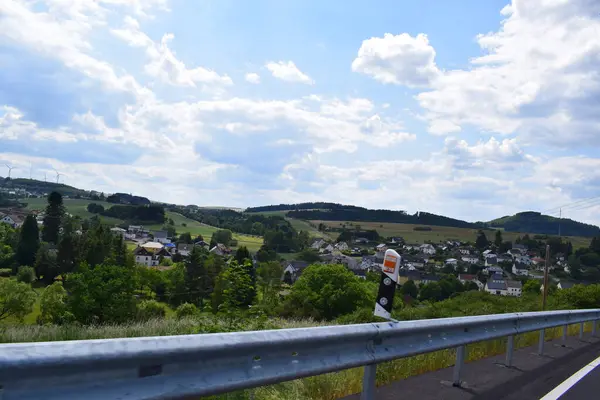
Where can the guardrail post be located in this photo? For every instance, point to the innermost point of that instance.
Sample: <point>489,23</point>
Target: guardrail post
<point>581,328</point>
<point>460,360</point>
<point>368,391</point>
<point>594,328</point>
<point>541,342</point>
<point>510,345</point>
<point>564,333</point>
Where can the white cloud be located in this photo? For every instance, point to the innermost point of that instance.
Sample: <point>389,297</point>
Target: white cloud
<point>399,59</point>
<point>252,77</point>
<point>54,34</point>
<point>163,63</point>
<point>287,71</point>
<point>506,154</point>
<point>538,77</point>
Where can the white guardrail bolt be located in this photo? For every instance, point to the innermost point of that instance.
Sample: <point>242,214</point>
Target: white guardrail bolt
<point>510,345</point>
<point>460,360</point>
<point>368,392</point>
<point>541,342</point>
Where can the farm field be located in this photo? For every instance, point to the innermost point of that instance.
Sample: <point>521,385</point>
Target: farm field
<point>437,234</point>
<point>78,207</point>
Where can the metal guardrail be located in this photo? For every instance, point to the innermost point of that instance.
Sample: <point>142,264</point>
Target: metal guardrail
<point>174,367</point>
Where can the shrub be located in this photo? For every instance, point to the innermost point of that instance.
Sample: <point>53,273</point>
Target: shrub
<point>186,310</point>
<point>26,274</point>
<point>5,272</point>
<point>151,309</point>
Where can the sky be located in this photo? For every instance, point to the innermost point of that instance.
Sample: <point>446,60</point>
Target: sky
<point>467,108</point>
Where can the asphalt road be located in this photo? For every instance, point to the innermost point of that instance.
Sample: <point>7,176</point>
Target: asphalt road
<point>586,388</point>
<point>531,377</point>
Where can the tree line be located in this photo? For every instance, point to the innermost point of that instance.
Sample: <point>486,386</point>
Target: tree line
<point>135,214</point>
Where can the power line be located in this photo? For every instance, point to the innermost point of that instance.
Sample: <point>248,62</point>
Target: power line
<point>570,205</point>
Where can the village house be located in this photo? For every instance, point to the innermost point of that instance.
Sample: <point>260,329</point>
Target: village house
<point>361,240</point>
<point>317,244</point>
<point>523,260</point>
<point>150,256</point>
<point>520,269</point>
<point>202,243</point>
<point>220,249</point>
<point>410,247</point>
<point>465,250</point>
<point>496,285</point>
<point>486,252</point>
<point>293,270</point>
<point>161,237</point>
<point>538,262</point>
<point>452,261</point>
<point>13,220</point>
<point>327,249</point>
<point>470,259</point>
<point>513,288</point>
<point>413,261</point>
<point>118,231</point>
<point>515,252</point>
<point>491,260</point>
<point>406,275</point>
<point>494,269</point>
<point>464,278</point>
<point>505,257</point>
<point>381,248</point>
<point>184,249</point>
<point>370,263</point>
<point>342,246</point>
<point>427,249</point>
<point>396,239</point>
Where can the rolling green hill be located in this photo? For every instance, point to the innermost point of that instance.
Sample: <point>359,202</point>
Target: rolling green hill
<point>537,223</point>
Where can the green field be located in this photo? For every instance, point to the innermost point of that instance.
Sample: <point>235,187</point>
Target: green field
<point>437,234</point>
<point>298,224</point>
<point>78,207</point>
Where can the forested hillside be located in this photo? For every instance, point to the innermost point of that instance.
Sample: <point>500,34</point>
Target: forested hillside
<point>535,222</point>
<point>340,212</point>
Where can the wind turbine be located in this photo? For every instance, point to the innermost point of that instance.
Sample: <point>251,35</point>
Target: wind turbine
<point>58,175</point>
<point>9,169</point>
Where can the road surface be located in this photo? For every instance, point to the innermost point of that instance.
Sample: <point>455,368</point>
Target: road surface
<point>531,377</point>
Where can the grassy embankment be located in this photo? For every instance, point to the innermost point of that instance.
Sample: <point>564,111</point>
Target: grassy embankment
<point>437,233</point>
<point>329,386</point>
<point>78,207</point>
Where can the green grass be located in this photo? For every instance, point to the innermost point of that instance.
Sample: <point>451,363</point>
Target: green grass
<point>437,234</point>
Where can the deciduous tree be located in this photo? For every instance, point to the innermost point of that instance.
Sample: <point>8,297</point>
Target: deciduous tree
<point>326,292</point>
<point>16,299</point>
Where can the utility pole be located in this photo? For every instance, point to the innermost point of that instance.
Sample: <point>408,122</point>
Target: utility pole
<point>559,221</point>
<point>546,277</point>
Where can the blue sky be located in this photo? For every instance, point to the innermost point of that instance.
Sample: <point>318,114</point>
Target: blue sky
<point>472,109</point>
